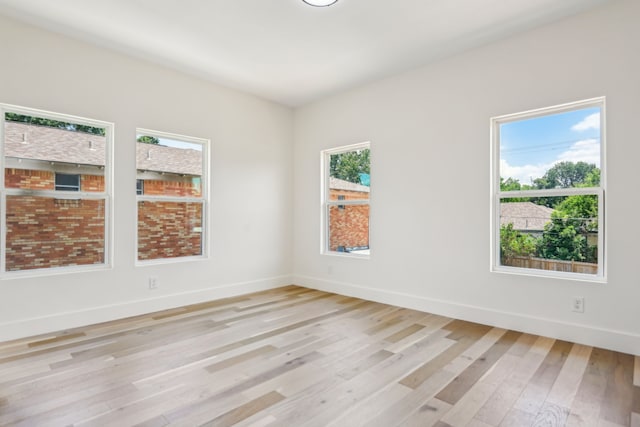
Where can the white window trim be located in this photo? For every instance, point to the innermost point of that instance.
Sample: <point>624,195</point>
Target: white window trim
<point>325,157</point>
<point>497,195</point>
<point>106,195</point>
<point>204,199</point>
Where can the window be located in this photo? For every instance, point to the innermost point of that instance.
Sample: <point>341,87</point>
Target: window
<point>67,182</point>
<point>55,192</point>
<point>548,191</point>
<point>345,200</point>
<point>171,196</point>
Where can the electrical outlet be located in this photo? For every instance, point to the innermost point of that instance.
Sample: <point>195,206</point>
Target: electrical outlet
<point>153,283</point>
<point>577,304</point>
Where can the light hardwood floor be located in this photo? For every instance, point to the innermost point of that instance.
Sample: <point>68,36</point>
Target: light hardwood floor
<point>300,357</point>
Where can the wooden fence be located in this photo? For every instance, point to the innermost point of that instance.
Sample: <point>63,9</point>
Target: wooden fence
<point>551,264</point>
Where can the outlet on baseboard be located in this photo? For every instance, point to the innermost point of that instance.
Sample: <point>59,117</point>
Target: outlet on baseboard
<point>577,304</point>
<point>153,283</point>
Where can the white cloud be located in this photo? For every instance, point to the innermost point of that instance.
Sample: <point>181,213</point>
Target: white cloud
<point>587,150</point>
<point>524,174</point>
<point>592,121</point>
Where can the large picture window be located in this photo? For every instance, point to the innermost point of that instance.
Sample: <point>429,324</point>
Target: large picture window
<point>548,191</point>
<point>346,191</point>
<point>56,191</point>
<point>171,189</point>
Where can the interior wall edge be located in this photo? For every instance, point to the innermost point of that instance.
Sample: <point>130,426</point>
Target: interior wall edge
<point>23,328</point>
<point>615,340</point>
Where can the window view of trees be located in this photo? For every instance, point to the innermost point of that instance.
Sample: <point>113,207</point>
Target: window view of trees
<point>549,190</point>
<point>352,166</point>
<point>571,232</point>
<point>348,186</point>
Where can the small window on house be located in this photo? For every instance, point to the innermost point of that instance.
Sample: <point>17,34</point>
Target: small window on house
<point>345,200</point>
<point>55,192</point>
<point>67,182</point>
<point>548,191</point>
<point>172,196</point>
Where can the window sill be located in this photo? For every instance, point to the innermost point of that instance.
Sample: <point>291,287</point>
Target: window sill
<point>347,255</point>
<point>548,274</point>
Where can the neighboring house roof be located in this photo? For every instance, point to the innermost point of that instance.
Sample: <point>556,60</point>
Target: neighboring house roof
<point>340,184</point>
<point>25,141</point>
<point>159,158</point>
<point>525,216</point>
<point>32,142</point>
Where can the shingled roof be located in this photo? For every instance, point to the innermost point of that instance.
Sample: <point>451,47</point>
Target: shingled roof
<point>525,216</point>
<point>340,184</point>
<point>25,141</point>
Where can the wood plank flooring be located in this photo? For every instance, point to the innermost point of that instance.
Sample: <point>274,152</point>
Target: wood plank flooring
<point>299,357</point>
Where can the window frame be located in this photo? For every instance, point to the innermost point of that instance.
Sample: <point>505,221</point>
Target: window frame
<point>66,187</point>
<point>497,195</point>
<point>106,195</point>
<point>204,198</point>
<point>326,203</point>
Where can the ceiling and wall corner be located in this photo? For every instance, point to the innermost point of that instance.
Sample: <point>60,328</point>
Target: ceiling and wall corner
<point>285,50</point>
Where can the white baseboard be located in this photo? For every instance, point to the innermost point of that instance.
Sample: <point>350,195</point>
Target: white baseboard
<point>583,334</point>
<point>60,321</point>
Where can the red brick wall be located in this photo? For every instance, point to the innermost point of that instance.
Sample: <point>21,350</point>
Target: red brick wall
<point>45,180</point>
<point>348,226</point>
<point>166,229</point>
<point>154,187</point>
<point>44,232</point>
<point>90,183</point>
<point>29,179</point>
<point>348,195</point>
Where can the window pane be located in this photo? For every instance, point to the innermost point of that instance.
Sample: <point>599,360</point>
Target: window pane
<point>44,154</point>
<point>169,167</point>
<point>349,228</point>
<point>559,150</point>
<point>349,175</point>
<point>169,229</point>
<point>550,233</point>
<point>65,182</point>
<point>43,232</point>
<point>48,145</point>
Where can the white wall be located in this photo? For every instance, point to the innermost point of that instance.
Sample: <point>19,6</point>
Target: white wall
<point>429,133</point>
<point>251,164</point>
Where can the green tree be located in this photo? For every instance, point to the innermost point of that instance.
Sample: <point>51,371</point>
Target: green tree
<point>514,243</point>
<point>40,121</point>
<point>512,184</point>
<point>348,166</point>
<point>566,175</point>
<point>148,139</point>
<point>566,236</point>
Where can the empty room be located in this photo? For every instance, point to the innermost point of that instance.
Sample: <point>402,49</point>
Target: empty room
<point>346,213</point>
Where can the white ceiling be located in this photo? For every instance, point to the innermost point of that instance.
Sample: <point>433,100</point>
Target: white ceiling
<point>285,50</point>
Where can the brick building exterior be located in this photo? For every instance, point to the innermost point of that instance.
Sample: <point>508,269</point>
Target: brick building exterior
<point>45,232</point>
<point>348,224</point>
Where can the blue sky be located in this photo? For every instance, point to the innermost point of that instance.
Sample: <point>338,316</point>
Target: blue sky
<point>177,144</point>
<point>528,148</point>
